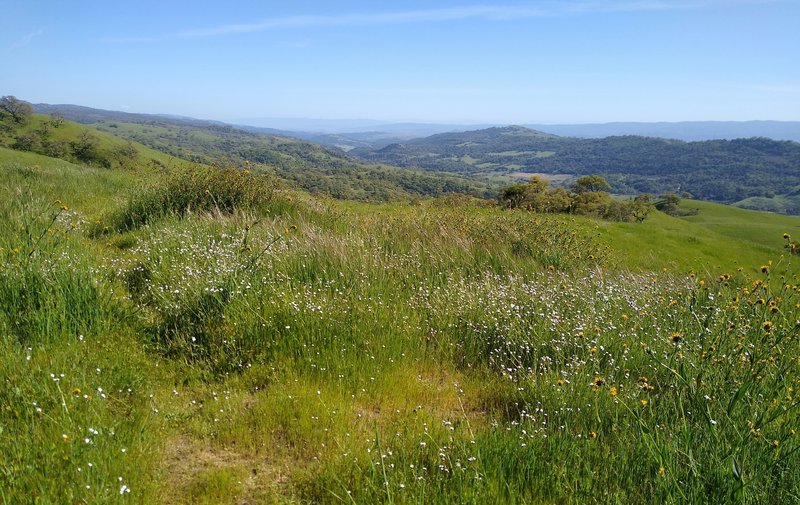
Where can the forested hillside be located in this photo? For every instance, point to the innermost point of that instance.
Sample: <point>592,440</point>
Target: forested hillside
<point>717,170</point>
<point>299,164</point>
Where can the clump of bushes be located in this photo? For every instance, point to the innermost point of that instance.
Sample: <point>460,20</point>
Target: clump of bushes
<point>200,189</point>
<point>588,197</point>
<point>669,203</point>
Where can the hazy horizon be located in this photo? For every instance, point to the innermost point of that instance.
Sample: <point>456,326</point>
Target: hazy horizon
<point>450,62</point>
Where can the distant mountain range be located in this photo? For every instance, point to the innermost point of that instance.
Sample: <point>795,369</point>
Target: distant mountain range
<point>89,115</point>
<point>348,135</point>
<point>685,130</point>
<point>351,133</point>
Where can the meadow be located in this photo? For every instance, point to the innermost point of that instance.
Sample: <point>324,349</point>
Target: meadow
<point>197,335</point>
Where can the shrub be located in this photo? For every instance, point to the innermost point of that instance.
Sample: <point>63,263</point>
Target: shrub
<point>24,142</point>
<point>85,148</point>
<point>592,203</point>
<point>125,154</point>
<point>588,199</point>
<point>55,148</point>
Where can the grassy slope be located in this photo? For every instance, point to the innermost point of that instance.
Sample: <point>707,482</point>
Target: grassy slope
<point>90,189</point>
<point>757,228</point>
<point>106,143</point>
<point>391,335</point>
<point>719,239</point>
<point>296,163</point>
<point>783,204</point>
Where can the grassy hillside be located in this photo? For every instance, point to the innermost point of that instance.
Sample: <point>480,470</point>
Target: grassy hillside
<point>758,228</point>
<point>300,164</point>
<point>91,189</point>
<point>58,138</point>
<point>788,203</point>
<point>719,238</point>
<point>247,344</point>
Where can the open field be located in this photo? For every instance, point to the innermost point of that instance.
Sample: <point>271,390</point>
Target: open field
<point>199,336</point>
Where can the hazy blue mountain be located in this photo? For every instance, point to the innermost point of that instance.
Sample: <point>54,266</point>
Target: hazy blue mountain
<point>89,115</point>
<point>310,125</point>
<point>376,135</point>
<point>686,130</point>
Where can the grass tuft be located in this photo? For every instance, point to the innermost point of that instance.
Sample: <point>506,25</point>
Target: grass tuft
<point>197,189</point>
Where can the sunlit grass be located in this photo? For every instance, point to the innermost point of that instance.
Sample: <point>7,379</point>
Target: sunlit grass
<point>434,353</point>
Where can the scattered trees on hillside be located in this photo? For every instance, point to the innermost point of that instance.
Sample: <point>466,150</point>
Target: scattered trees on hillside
<point>24,142</point>
<point>642,205</point>
<point>56,120</point>
<point>588,197</point>
<point>55,148</point>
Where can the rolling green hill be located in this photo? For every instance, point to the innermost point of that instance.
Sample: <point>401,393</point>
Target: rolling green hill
<point>718,170</point>
<point>720,238</point>
<point>76,143</point>
<point>752,173</point>
<point>300,164</point>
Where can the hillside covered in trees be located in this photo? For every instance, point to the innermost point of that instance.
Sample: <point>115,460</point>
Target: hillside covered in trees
<point>757,173</point>
<point>718,170</point>
<point>112,139</point>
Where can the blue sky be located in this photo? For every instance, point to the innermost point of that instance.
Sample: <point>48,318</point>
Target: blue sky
<point>437,61</point>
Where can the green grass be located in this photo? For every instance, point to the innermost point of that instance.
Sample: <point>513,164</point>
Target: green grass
<point>437,352</point>
<point>720,238</point>
<point>93,190</point>
<point>783,204</point>
<point>106,150</point>
<point>760,229</point>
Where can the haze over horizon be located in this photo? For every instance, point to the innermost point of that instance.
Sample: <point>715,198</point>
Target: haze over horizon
<point>574,61</point>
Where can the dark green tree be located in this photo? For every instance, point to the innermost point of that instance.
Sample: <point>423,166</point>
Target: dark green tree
<point>19,110</point>
<point>85,148</point>
<point>513,197</point>
<point>590,184</point>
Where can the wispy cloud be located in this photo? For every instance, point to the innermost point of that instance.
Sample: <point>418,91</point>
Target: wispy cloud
<point>496,13</point>
<point>475,12</point>
<point>27,38</point>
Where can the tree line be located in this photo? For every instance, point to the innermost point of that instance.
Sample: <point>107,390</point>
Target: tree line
<point>588,196</point>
